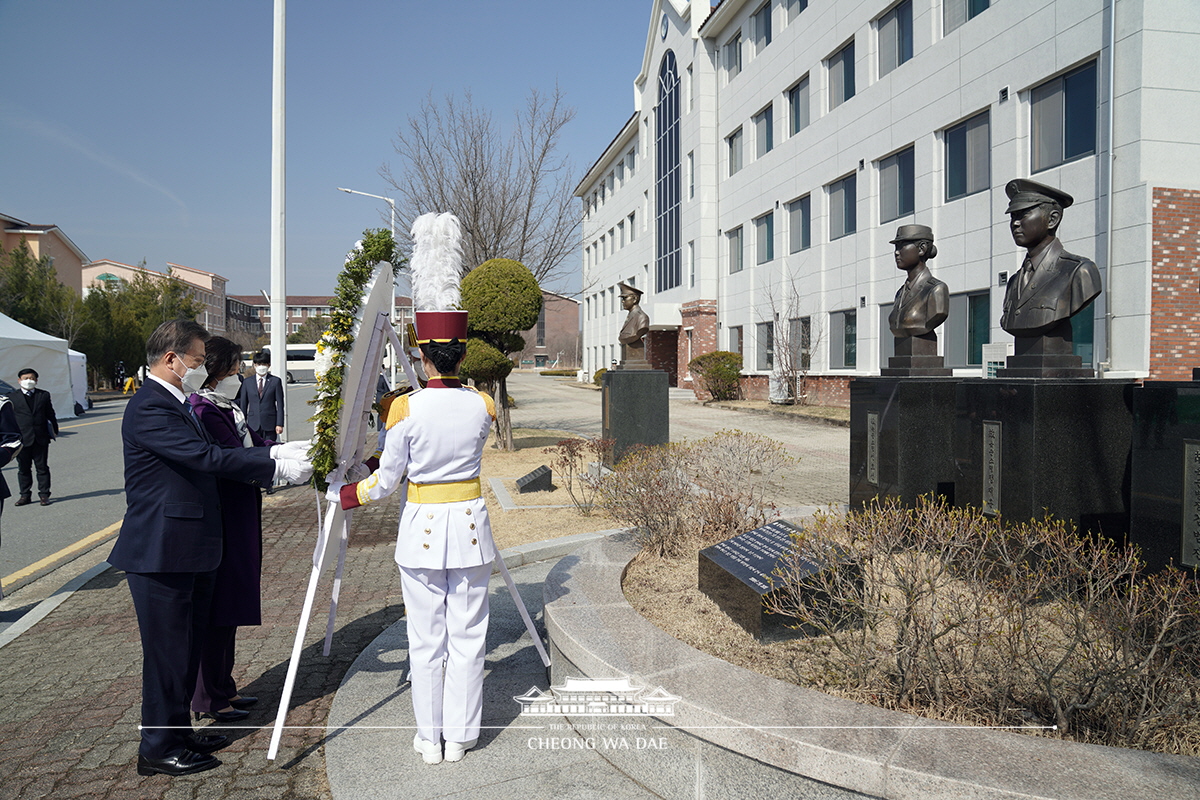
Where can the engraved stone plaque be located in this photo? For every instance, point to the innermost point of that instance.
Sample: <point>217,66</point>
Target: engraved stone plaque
<point>873,448</point>
<point>1190,530</point>
<point>991,468</point>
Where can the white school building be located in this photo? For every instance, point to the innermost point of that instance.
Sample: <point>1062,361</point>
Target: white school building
<point>775,146</point>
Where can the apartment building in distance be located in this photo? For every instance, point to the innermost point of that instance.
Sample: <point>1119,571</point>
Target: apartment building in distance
<point>302,307</point>
<point>775,146</point>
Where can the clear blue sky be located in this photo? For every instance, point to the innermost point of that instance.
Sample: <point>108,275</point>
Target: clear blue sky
<point>143,127</point>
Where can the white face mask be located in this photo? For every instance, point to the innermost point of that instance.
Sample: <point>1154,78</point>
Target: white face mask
<point>228,387</point>
<point>261,370</point>
<point>193,379</point>
<point>28,384</point>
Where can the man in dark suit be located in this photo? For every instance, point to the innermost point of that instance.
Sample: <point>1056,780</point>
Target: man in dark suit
<point>1053,285</point>
<point>261,399</point>
<point>39,425</point>
<point>170,540</point>
<point>10,445</point>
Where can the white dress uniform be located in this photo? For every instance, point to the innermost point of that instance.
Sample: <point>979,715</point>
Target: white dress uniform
<point>444,548</point>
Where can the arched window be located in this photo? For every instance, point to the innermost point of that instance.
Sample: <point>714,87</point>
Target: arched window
<point>667,177</point>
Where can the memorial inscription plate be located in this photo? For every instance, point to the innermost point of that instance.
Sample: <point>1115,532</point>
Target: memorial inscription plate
<point>1190,546</point>
<point>735,573</point>
<point>873,448</point>
<point>991,468</point>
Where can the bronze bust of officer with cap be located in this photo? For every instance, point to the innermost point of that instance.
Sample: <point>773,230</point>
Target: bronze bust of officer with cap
<point>922,304</point>
<point>1053,285</point>
<point>633,332</point>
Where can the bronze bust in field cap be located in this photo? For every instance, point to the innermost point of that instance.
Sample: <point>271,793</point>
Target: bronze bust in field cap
<point>1051,287</point>
<point>922,304</point>
<point>637,325</point>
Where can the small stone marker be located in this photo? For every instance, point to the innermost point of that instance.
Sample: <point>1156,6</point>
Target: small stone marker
<point>735,572</point>
<point>536,481</point>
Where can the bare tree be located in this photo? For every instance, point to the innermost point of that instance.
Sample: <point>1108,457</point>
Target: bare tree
<point>797,335</point>
<point>512,194</point>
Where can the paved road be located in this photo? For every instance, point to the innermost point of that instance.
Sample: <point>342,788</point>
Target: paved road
<point>821,476</point>
<point>87,487</point>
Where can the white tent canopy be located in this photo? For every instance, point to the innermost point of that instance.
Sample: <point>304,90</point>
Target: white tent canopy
<point>22,346</point>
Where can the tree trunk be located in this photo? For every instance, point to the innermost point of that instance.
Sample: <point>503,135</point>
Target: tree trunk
<point>504,435</point>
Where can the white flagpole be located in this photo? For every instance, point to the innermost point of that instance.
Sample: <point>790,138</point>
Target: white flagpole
<point>278,211</point>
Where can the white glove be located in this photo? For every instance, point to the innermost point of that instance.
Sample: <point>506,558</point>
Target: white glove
<point>294,450</point>
<point>293,470</point>
<point>334,493</point>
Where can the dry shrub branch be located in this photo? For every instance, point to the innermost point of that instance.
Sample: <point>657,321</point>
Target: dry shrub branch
<point>688,494</point>
<point>572,463</point>
<point>950,614</point>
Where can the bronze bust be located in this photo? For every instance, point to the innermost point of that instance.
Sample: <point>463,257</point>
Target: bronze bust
<point>637,324</point>
<point>1051,287</point>
<point>922,301</point>
<point>922,304</point>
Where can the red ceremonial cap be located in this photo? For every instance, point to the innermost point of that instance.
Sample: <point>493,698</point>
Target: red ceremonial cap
<point>440,326</point>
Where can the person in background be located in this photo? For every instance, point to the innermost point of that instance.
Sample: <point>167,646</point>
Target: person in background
<point>236,590</point>
<point>171,539</point>
<point>10,445</point>
<point>261,399</point>
<point>39,425</point>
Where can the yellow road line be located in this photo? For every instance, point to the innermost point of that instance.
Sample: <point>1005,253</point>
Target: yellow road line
<point>94,422</point>
<point>69,550</point>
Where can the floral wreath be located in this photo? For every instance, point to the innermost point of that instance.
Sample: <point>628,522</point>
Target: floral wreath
<point>377,245</point>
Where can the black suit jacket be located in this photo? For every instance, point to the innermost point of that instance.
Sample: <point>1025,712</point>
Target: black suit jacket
<point>10,438</point>
<point>262,413</point>
<point>35,415</point>
<point>1061,286</point>
<point>173,514</point>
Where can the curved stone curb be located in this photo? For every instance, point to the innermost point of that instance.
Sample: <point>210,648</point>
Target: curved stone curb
<point>737,733</point>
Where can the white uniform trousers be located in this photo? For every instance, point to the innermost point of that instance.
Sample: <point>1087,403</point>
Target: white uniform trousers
<point>447,612</point>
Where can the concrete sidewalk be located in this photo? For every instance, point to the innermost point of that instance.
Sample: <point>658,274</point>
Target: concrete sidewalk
<point>369,752</point>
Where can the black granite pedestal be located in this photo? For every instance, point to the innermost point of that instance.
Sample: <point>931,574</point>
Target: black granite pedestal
<point>634,410</point>
<point>1165,492</point>
<point>901,439</point>
<point>1025,447</point>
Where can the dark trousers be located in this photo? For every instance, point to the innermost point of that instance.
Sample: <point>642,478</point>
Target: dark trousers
<point>172,611</point>
<point>214,681</point>
<point>33,455</point>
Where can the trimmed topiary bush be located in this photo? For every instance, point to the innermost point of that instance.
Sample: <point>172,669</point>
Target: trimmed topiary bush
<point>598,377</point>
<point>718,372</point>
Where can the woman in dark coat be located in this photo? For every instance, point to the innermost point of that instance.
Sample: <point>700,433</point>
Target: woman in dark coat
<point>236,592</point>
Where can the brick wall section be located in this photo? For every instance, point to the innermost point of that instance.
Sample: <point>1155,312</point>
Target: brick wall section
<point>1175,285</point>
<point>662,351</point>
<point>823,390</point>
<point>701,317</point>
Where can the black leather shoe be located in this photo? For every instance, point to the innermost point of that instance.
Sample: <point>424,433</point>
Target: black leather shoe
<point>205,743</point>
<point>45,501</point>
<point>22,501</point>
<point>245,701</point>
<point>184,762</point>
<point>224,716</point>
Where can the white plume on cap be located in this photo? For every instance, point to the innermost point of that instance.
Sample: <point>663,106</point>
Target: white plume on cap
<point>436,262</point>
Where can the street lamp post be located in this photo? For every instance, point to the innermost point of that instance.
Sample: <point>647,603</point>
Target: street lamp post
<point>392,206</point>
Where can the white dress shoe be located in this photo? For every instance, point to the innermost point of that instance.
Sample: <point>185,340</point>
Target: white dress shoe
<point>456,750</point>
<point>432,753</point>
